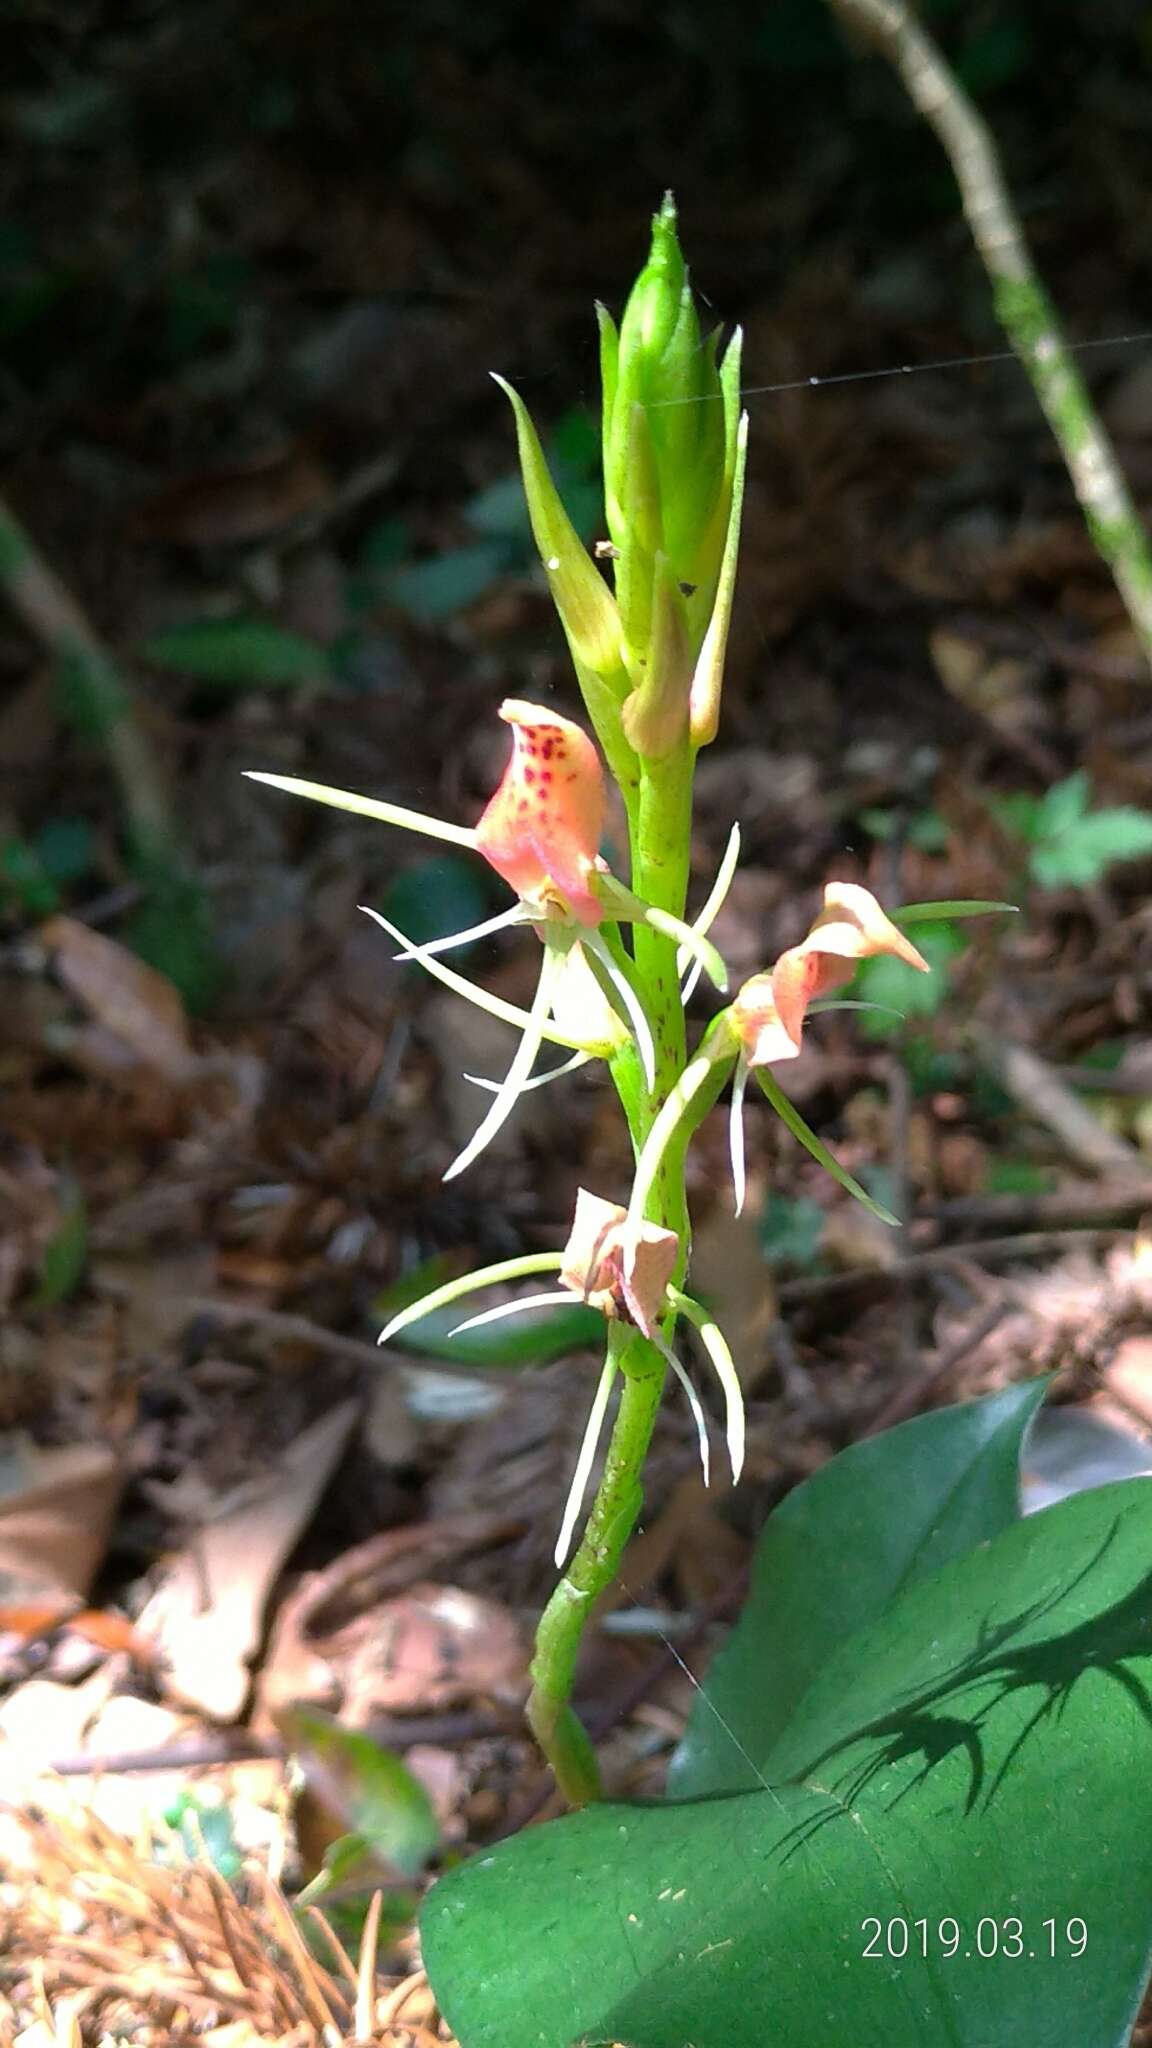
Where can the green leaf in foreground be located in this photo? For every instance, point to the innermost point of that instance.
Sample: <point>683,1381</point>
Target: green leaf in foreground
<point>240,653</point>
<point>835,1553</point>
<point>922,1782</point>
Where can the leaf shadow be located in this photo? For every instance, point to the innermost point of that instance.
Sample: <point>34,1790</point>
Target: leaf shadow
<point>927,1725</point>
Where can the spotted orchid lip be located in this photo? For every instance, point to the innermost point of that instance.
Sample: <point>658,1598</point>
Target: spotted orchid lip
<point>541,830</point>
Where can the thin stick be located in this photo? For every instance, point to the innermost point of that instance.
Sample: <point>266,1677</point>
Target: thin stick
<point>98,696</point>
<point>1022,304</point>
<point>989,1251</point>
<point>1064,1209</point>
<point>238,1746</point>
<point>1041,1093</point>
<point>907,1399</point>
<point>366,1974</point>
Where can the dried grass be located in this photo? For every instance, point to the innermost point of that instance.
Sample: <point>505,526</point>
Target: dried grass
<point>99,1943</point>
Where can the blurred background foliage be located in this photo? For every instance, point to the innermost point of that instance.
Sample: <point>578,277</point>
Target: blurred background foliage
<point>255,262</point>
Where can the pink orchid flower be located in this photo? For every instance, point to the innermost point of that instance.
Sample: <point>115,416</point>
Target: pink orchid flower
<point>541,830</point>
<point>541,833</point>
<point>622,1265</point>
<point>850,928</point>
<point>770,1011</point>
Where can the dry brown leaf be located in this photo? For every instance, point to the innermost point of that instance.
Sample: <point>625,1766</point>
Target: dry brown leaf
<point>54,1529</point>
<point>245,502</point>
<point>330,1627</point>
<point>135,1004</point>
<point>207,1615</point>
<point>433,1648</point>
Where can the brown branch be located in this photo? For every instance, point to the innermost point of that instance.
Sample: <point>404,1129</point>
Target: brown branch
<point>1038,1089</point>
<point>1022,304</point>
<point>100,696</point>
<point>989,1251</point>
<point>232,1746</point>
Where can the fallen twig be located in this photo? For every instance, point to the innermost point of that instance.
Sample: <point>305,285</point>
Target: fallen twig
<point>908,1398</point>
<point>94,689</point>
<point>989,1251</point>
<point>234,1746</point>
<point>292,1328</point>
<point>1038,1089</point>
<point>1022,304</point>
<point>1065,1209</point>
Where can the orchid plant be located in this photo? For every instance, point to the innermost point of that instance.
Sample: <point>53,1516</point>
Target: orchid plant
<point>620,957</point>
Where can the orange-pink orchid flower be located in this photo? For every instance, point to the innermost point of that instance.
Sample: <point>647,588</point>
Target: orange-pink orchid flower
<point>541,833</point>
<point>622,1266</point>
<point>618,1268</point>
<point>541,830</point>
<point>770,1010</point>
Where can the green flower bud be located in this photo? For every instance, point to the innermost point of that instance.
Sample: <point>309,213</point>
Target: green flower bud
<point>670,460</point>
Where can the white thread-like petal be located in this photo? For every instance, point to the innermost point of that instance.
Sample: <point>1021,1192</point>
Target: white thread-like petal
<point>698,1416</point>
<point>633,1007</point>
<point>368,807</point>
<point>585,1461</point>
<point>555,1295</point>
<point>522,1268</point>
<point>578,1059</point>
<point>724,1366</point>
<point>736,1134</point>
<point>709,911</point>
<point>523,1061</point>
<point>517,915</point>
<point>508,1013</point>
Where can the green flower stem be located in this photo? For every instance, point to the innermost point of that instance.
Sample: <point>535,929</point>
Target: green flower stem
<point>618,1501</point>
<point>660,867</point>
<point>661,859</point>
<point>671,459</point>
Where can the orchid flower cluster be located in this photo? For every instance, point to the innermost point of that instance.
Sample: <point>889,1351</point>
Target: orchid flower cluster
<point>620,959</point>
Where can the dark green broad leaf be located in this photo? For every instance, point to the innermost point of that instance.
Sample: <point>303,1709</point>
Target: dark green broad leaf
<point>534,1338</point>
<point>239,653</point>
<point>432,898</point>
<point>949,1843</point>
<point>834,1555</point>
<point>434,590</point>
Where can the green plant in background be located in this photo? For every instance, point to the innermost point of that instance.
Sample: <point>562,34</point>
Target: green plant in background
<point>877,1743</point>
<point>1072,843</point>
